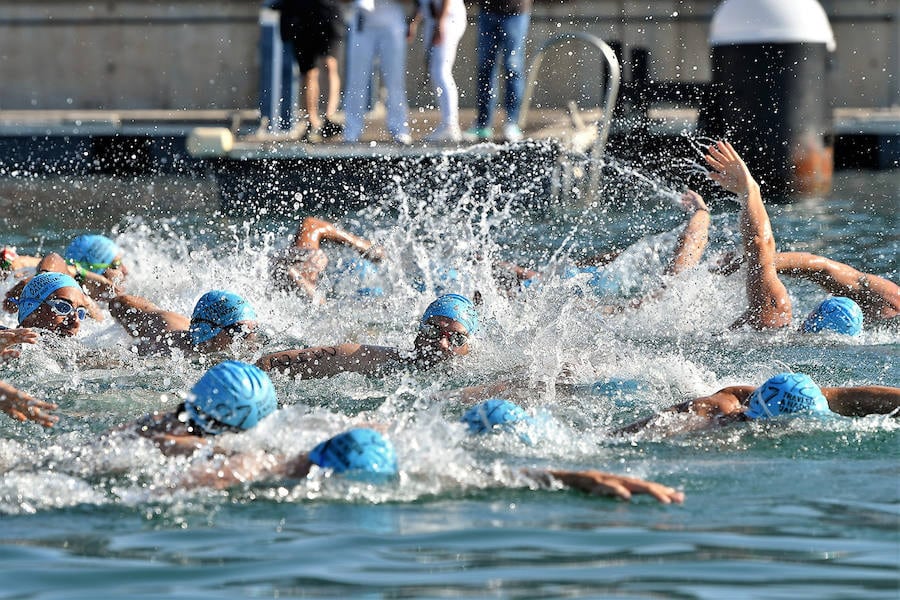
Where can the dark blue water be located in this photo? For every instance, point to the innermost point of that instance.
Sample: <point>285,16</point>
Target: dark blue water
<point>796,509</point>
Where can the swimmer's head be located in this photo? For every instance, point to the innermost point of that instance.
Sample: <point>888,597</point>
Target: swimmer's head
<point>357,453</point>
<point>221,311</point>
<point>52,301</point>
<point>231,396</point>
<point>95,253</point>
<point>786,393</point>
<point>455,307</point>
<point>445,328</point>
<point>839,314</point>
<point>494,415</point>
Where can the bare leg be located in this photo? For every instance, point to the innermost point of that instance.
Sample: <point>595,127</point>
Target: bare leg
<point>311,97</point>
<point>334,86</point>
<point>878,297</point>
<point>770,306</point>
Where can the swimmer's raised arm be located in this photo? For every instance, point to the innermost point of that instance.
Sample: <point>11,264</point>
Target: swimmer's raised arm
<point>863,400</point>
<point>22,407</point>
<point>693,239</point>
<point>327,361</point>
<point>313,231</point>
<point>598,483</point>
<point>770,305</point>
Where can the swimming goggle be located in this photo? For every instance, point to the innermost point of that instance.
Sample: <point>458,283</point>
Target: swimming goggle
<point>115,264</point>
<point>64,308</point>
<point>236,330</point>
<point>431,331</point>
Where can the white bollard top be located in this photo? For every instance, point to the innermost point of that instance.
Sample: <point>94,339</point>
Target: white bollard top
<point>771,21</point>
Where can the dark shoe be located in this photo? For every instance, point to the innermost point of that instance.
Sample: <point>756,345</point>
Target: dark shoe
<point>312,135</point>
<point>331,129</point>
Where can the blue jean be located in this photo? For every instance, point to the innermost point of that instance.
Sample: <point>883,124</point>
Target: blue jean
<point>495,33</point>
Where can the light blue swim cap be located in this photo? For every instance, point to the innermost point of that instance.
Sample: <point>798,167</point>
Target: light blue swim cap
<point>443,278</point>
<point>494,415</point>
<point>839,314</point>
<point>364,272</point>
<point>39,289</point>
<point>359,453</point>
<point>456,307</point>
<point>786,393</point>
<point>216,310</point>
<point>600,281</point>
<point>92,252</point>
<point>231,396</point>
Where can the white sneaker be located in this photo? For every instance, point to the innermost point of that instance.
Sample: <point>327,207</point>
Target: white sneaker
<point>404,139</point>
<point>512,133</point>
<point>444,134</point>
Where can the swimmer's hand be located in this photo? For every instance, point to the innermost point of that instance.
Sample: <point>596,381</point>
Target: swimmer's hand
<point>375,252</point>
<point>22,407</point>
<point>11,337</point>
<point>691,201</point>
<point>598,483</point>
<point>729,170</point>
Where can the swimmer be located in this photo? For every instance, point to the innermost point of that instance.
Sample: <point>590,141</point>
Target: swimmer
<point>785,393</point>
<point>53,302</point>
<point>687,254</point>
<point>220,318</point>
<point>877,297</point>
<point>298,267</point>
<point>444,331</point>
<point>232,396</point>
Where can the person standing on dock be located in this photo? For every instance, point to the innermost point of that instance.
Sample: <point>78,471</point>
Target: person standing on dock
<point>502,27</point>
<point>313,28</point>
<point>444,24</point>
<point>378,31</point>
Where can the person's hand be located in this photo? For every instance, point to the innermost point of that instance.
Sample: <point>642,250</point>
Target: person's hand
<point>411,30</point>
<point>691,201</point>
<point>729,170</point>
<point>22,407</point>
<point>598,483</point>
<point>11,337</point>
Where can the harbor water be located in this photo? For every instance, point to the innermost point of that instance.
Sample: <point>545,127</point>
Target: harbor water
<point>795,508</point>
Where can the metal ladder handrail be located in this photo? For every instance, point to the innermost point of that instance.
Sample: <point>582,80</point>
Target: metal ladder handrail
<point>612,90</point>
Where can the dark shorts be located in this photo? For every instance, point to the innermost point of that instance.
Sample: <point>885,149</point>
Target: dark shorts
<point>313,27</point>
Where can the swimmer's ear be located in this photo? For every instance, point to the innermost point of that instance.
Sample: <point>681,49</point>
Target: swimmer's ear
<point>477,300</point>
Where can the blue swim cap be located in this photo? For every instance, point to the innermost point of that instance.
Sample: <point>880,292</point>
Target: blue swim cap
<point>600,281</point>
<point>443,278</point>
<point>39,289</point>
<point>358,453</point>
<point>839,314</point>
<point>786,393</point>
<point>92,252</point>
<point>216,310</point>
<point>456,307</point>
<point>494,415</point>
<point>364,272</point>
<point>231,396</point>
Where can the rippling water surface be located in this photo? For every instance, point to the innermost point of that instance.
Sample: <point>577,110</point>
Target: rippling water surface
<point>795,509</point>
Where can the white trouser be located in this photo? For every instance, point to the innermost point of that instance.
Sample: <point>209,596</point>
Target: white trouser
<point>441,59</point>
<point>379,33</point>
